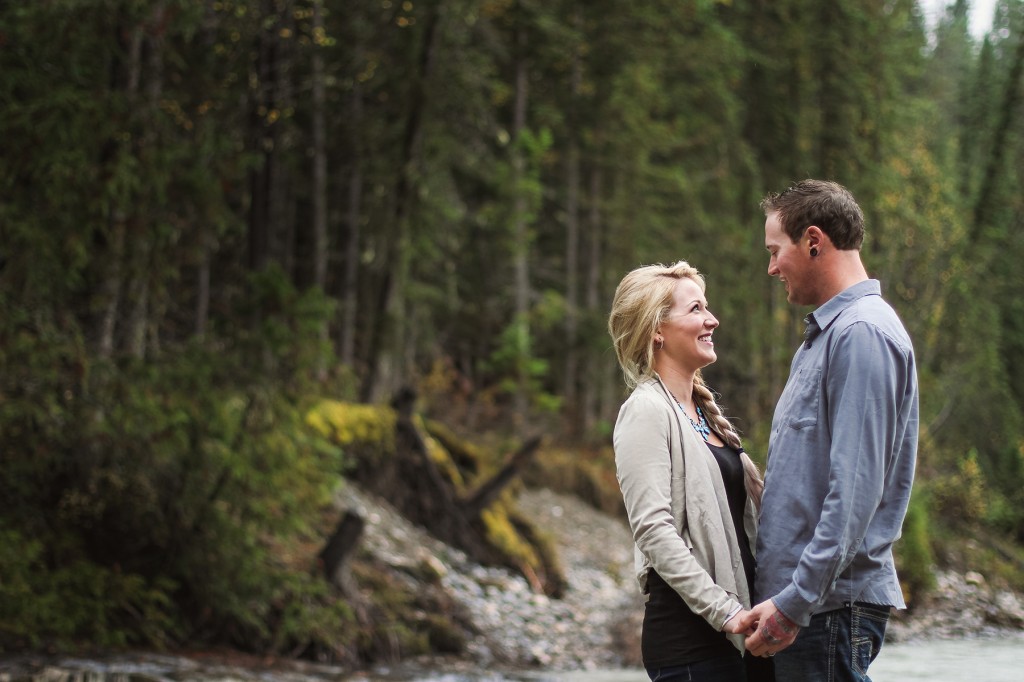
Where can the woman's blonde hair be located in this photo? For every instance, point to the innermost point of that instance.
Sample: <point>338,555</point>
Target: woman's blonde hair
<point>642,300</point>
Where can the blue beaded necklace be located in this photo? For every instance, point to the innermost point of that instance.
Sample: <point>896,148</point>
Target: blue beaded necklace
<point>701,425</point>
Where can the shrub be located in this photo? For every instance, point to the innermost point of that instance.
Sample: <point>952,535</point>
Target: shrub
<point>914,555</point>
<point>961,495</point>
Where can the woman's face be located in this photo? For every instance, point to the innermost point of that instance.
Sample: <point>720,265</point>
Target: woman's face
<point>687,328</point>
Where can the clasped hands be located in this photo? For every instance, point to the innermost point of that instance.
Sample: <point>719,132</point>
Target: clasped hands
<point>767,629</point>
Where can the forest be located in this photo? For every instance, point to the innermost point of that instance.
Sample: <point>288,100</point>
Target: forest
<point>215,215</point>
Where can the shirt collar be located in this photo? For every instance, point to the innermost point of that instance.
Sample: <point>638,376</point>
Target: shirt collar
<point>820,319</point>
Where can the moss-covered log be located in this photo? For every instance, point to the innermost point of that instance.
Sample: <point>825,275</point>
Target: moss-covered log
<point>460,499</point>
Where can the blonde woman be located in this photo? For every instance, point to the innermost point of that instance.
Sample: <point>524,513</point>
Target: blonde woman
<point>691,493</point>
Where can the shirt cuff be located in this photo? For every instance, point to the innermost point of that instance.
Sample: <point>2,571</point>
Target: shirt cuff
<point>793,607</point>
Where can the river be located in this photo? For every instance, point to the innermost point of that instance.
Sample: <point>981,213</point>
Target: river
<point>980,660</point>
<point>977,660</point>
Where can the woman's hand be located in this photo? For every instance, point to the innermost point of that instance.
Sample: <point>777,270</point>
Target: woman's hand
<point>741,623</point>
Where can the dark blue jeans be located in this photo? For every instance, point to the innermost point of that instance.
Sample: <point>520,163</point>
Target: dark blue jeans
<point>722,669</point>
<point>837,646</point>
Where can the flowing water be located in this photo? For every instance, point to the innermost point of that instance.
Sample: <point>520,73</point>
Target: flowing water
<point>984,660</point>
<point>977,660</point>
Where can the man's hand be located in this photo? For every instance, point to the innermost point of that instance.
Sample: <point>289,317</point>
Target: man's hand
<point>774,632</point>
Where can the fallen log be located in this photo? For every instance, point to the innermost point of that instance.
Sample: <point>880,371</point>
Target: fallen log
<point>485,493</point>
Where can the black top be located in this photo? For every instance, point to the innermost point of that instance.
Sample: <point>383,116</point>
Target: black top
<point>672,633</point>
<point>736,491</point>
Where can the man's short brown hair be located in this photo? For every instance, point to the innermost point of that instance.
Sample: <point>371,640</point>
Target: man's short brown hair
<point>826,204</point>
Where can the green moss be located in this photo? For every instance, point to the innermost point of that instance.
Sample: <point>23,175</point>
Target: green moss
<point>502,534</point>
<point>550,565</point>
<point>367,433</point>
<point>363,430</point>
<point>468,457</point>
<point>441,456</point>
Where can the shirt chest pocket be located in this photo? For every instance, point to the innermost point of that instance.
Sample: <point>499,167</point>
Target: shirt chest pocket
<point>802,399</point>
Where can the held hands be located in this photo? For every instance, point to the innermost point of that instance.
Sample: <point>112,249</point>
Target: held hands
<point>768,630</point>
<point>740,624</point>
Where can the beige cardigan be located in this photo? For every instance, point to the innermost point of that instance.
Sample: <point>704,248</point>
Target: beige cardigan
<point>677,507</point>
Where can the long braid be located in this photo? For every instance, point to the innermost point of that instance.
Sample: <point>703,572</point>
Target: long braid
<point>705,399</point>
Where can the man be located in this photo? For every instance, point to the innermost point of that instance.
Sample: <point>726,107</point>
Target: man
<point>841,452</point>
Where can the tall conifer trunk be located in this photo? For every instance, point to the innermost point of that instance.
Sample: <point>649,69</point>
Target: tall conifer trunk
<point>349,298</point>
<point>520,229</point>
<point>321,247</point>
<point>262,141</point>
<point>594,383</point>
<point>386,347</point>
<point>572,241</point>
<point>126,79</point>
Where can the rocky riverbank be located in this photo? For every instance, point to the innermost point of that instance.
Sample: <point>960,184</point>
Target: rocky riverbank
<point>595,625</point>
<point>514,630</point>
<point>962,607</point>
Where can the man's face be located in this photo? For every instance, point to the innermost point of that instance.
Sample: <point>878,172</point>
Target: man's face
<point>789,261</point>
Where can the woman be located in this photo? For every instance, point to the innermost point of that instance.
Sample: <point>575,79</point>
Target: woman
<point>691,493</point>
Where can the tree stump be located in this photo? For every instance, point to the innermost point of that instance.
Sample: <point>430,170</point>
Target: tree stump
<point>341,545</point>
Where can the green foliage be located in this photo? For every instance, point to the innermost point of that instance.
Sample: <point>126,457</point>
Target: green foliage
<point>57,607</point>
<point>1005,510</point>
<point>1001,562</point>
<point>960,497</point>
<point>406,623</point>
<point>287,321</point>
<point>914,556</point>
<point>514,358</point>
<point>138,500</point>
<point>159,330</point>
<point>307,615</point>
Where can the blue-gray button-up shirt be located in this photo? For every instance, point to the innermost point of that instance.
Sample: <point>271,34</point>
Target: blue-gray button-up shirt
<point>840,461</point>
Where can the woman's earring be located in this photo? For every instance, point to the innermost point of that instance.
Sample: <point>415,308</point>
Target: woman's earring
<point>660,343</point>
